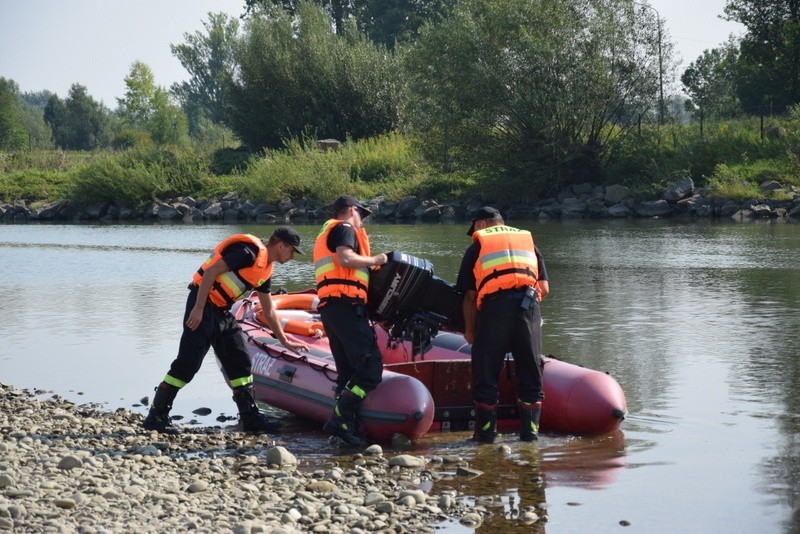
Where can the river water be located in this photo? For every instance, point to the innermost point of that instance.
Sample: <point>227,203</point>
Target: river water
<point>698,321</point>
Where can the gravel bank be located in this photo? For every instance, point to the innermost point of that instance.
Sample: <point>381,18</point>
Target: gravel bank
<point>68,468</point>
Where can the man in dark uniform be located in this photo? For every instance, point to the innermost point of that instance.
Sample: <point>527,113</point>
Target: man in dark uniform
<point>503,277</point>
<point>237,265</point>
<point>342,263</point>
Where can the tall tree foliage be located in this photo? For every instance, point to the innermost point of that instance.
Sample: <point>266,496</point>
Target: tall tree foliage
<point>78,122</point>
<point>391,22</point>
<point>338,10</point>
<point>710,81</point>
<point>209,59</point>
<point>769,65</point>
<point>386,22</point>
<point>297,76</point>
<point>147,107</point>
<point>12,130</point>
<point>532,91</point>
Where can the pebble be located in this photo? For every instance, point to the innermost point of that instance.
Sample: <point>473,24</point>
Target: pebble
<point>61,464</point>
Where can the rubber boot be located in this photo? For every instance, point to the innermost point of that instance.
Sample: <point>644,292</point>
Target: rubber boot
<point>158,416</point>
<point>485,422</point>
<point>253,421</point>
<point>529,420</point>
<point>344,421</point>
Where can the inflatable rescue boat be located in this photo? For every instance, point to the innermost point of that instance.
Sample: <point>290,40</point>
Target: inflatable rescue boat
<point>426,380</point>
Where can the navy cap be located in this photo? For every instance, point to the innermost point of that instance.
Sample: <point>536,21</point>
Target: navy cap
<point>289,235</point>
<point>346,201</point>
<point>486,212</point>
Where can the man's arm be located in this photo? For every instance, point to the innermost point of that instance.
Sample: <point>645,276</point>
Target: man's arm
<point>209,275</point>
<point>268,310</point>
<point>350,259</point>
<point>469,308</point>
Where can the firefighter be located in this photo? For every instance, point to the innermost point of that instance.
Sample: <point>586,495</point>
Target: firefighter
<point>237,265</point>
<point>342,262</point>
<point>503,278</point>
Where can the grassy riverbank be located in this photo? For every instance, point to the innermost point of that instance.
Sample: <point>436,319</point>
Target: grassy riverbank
<point>732,159</point>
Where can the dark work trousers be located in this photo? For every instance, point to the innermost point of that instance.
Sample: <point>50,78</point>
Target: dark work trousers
<point>353,344</point>
<point>504,327</point>
<point>218,329</point>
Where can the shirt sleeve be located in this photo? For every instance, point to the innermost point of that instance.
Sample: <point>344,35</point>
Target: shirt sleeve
<point>466,274</point>
<point>239,256</point>
<point>243,255</point>
<point>342,235</point>
<point>542,268</point>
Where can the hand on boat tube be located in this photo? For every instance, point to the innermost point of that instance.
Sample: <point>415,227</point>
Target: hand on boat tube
<point>295,346</point>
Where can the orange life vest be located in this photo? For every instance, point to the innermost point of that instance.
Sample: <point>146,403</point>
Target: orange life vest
<point>507,260</point>
<point>334,280</point>
<point>232,285</point>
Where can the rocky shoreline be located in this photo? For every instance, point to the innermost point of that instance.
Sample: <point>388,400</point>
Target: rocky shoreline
<point>68,468</point>
<point>581,201</point>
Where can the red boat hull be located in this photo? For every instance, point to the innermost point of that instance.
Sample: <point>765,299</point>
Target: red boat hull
<point>415,397</point>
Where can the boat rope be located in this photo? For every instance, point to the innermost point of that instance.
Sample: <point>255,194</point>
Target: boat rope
<point>284,354</point>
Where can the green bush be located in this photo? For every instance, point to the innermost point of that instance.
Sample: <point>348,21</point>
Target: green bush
<point>230,160</point>
<point>128,138</point>
<point>385,165</point>
<point>112,179</point>
<point>33,185</point>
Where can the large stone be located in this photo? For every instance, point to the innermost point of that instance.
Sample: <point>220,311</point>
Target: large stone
<point>280,456</point>
<point>653,208</point>
<point>616,193</point>
<point>678,190</point>
<point>166,212</point>
<point>619,210</point>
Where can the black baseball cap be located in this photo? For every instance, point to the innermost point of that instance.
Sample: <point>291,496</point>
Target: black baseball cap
<point>345,201</point>
<point>289,235</point>
<point>486,212</point>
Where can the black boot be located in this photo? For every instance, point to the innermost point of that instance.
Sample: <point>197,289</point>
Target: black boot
<point>158,416</point>
<point>485,422</point>
<point>252,419</point>
<point>529,420</point>
<point>344,421</point>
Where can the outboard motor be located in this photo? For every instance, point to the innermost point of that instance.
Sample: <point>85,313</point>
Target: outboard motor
<point>411,303</point>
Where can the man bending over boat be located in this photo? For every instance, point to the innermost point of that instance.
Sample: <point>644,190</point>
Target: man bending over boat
<point>237,265</point>
<point>503,278</point>
<point>342,260</point>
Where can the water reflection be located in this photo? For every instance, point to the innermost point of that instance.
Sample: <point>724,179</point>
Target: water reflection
<point>699,323</point>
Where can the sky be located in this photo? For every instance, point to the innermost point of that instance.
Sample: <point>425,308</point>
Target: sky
<point>52,44</point>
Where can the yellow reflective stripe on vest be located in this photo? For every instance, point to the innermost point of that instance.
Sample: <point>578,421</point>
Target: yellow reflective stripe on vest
<point>362,273</point>
<point>323,266</point>
<point>233,284</point>
<point>507,256</point>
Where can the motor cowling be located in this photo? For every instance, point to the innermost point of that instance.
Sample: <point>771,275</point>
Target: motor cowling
<point>411,303</point>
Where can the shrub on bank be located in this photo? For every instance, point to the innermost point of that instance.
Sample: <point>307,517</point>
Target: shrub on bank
<point>134,177</point>
<point>34,185</point>
<point>385,165</point>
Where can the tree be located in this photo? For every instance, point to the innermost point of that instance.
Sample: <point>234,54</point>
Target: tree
<point>338,10</point>
<point>297,76</point>
<point>12,130</point>
<point>78,122</point>
<point>711,84</point>
<point>209,60</point>
<point>147,107</point>
<point>768,70</point>
<point>386,22</point>
<point>530,93</point>
<point>389,22</point>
